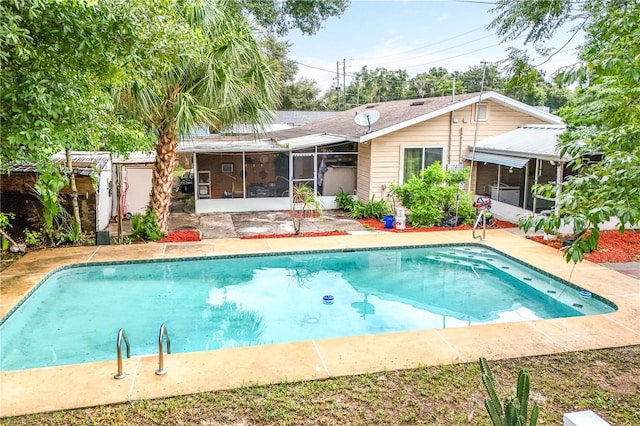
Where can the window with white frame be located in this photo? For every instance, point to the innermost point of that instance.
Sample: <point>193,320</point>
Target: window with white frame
<point>417,159</point>
<point>482,109</point>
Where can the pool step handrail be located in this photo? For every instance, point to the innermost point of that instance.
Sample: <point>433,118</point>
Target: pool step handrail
<point>163,333</point>
<point>481,215</point>
<point>121,336</point>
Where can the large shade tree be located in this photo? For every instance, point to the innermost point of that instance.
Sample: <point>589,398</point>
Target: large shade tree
<point>283,15</point>
<point>58,61</point>
<point>605,117</point>
<point>222,76</point>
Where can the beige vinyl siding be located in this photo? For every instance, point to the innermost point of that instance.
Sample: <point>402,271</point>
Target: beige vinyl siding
<point>364,171</point>
<point>380,161</point>
<point>387,151</point>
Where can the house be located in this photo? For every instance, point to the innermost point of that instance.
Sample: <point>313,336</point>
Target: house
<point>361,151</point>
<point>93,181</point>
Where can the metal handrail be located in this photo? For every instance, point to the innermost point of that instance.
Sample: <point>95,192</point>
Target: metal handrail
<point>163,332</point>
<point>482,216</point>
<point>121,336</point>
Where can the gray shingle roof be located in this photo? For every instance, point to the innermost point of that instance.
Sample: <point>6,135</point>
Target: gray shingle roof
<point>395,115</point>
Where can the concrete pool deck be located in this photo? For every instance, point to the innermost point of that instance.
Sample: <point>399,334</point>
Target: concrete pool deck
<point>82,385</point>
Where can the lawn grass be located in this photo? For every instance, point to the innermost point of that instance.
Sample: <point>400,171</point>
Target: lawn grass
<point>606,381</point>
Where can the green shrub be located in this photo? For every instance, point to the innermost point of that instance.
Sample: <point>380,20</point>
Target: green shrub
<point>145,227</point>
<point>32,238</point>
<point>431,196</point>
<point>344,200</point>
<point>371,210</point>
<point>5,220</point>
<point>304,201</point>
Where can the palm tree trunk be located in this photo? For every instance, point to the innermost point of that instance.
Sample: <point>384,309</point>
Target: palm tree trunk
<point>74,190</point>
<point>162,187</point>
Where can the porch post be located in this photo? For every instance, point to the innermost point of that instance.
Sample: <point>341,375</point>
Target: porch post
<point>526,186</point>
<point>535,182</point>
<point>194,166</point>
<point>498,186</point>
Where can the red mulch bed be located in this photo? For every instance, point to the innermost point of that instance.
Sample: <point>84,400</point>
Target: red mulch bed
<point>613,247</point>
<point>379,226</point>
<point>181,236</point>
<point>302,234</point>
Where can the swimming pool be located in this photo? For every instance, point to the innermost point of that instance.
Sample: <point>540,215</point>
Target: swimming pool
<point>222,302</point>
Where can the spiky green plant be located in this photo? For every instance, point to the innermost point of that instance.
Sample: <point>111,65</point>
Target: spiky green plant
<point>304,200</point>
<point>515,410</point>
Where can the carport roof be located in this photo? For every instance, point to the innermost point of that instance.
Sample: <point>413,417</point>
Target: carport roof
<point>218,144</point>
<point>503,160</point>
<point>529,141</point>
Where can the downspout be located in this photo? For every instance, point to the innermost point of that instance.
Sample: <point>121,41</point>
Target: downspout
<point>450,138</point>
<point>453,98</point>
<point>461,140</point>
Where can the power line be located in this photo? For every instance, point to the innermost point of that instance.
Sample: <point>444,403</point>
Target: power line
<point>412,66</point>
<point>440,50</point>
<point>437,43</point>
<point>407,51</point>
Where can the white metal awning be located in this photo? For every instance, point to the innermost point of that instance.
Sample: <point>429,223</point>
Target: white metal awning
<point>311,141</point>
<point>215,144</point>
<point>503,160</point>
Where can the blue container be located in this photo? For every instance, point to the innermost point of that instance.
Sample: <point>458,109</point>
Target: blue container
<point>388,221</point>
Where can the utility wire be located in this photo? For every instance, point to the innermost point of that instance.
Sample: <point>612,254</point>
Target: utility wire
<point>440,50</point>
<point>412,66</point>
<point>437,43</point>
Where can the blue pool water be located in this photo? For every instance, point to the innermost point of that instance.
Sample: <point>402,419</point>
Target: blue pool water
<point>212,303</point>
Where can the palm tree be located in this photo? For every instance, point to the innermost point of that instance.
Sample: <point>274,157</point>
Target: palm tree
<point>222,75</point>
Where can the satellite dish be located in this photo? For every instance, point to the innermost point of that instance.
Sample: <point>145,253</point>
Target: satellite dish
<point>367,118</point>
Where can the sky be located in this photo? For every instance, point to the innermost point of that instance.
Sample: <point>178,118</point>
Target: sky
<point>414,35</point>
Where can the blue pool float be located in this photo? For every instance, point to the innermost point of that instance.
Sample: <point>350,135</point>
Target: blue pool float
<point>327,299</point>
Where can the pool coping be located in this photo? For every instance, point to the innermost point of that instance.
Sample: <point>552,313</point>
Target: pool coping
<point>83,385</point>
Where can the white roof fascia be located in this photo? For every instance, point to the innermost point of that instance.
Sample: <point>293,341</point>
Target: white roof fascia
<point>504,100</point>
